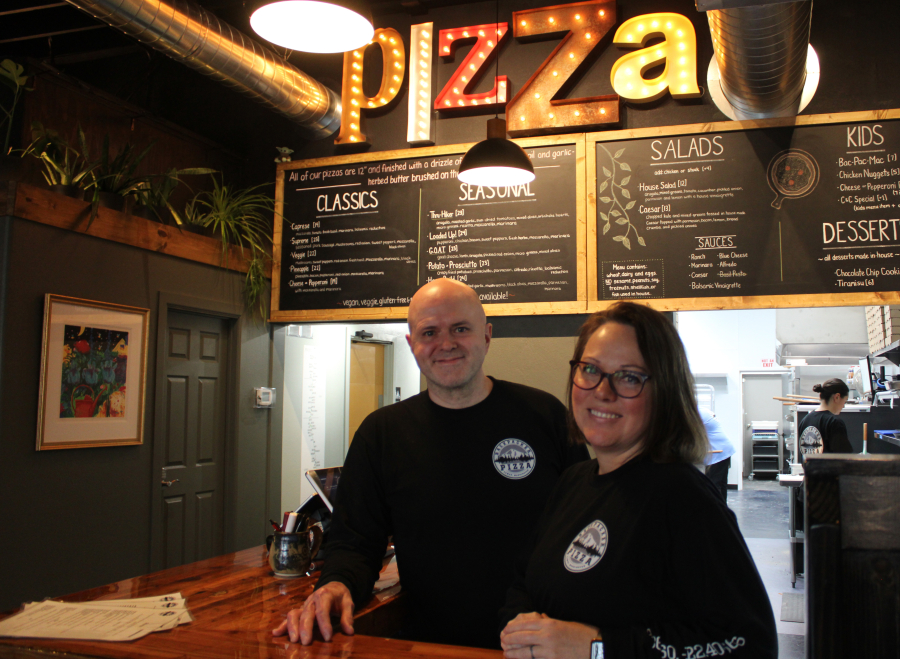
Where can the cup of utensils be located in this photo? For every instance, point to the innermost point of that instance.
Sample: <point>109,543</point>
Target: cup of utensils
<point>290,554</point>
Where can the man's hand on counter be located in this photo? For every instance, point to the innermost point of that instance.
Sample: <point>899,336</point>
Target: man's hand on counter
<point>331,599</point>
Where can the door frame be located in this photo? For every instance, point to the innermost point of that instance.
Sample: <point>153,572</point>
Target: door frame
<point>387,379</point>
<point>231,313</point>
<point>746,465</point>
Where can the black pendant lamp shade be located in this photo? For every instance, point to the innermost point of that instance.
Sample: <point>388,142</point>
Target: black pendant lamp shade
<point>496,162</point>
<point>314,26</point>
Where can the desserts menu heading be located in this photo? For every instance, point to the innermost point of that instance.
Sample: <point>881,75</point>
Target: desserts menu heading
<point>368,234</point>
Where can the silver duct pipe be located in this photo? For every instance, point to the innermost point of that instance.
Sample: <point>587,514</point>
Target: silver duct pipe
<point>761,54</point>
<point>193,36</point>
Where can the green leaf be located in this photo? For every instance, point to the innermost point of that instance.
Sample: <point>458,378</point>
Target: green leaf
<point>619,153</point>
<point>625,181</point>
<point>625,166</point>
<point>629,205</point>
<point>641,242</point>
<point>626,242</point>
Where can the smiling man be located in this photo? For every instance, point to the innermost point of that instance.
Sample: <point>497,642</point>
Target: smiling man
<point>457,474</point>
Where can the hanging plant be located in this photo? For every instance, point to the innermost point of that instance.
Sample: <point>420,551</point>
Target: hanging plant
<point>239,217</point>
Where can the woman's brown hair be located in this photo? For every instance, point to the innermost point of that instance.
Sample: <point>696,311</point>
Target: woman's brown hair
<point>675,432</point>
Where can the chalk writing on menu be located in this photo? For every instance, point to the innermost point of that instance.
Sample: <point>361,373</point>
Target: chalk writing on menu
<point>369,234</point>
<point>802,210</point>
<point>312,404</point>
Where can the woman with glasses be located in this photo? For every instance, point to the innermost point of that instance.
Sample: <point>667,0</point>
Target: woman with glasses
<point>636,555</point>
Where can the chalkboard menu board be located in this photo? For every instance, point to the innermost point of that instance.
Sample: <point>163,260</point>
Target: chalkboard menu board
<point>362,234</point>
<point>810,209</point>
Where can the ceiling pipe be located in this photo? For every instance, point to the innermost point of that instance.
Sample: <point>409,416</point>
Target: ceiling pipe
<point>195,37</point>
<point>761,52</point>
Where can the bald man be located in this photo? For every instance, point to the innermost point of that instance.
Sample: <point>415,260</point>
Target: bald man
<point>457,474</point>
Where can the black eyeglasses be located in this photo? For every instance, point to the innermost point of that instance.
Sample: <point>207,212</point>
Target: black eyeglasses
<point>626,384</point>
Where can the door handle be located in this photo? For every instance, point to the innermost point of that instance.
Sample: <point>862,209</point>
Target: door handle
<point>166,483</point>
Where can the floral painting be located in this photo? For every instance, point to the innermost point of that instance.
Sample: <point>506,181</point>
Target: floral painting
<point>93,372</point>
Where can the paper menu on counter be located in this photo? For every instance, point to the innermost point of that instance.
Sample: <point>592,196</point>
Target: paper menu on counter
<point>105,620</point>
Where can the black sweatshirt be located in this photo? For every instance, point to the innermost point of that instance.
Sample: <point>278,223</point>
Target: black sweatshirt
<point>651,555</point>
<point>460,491</point>
<point>823,432</point>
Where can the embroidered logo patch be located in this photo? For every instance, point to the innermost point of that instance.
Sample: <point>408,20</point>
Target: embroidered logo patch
<point>587,548</point>
<point>513,458</point>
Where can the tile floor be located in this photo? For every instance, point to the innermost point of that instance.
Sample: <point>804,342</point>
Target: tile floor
<point>761,509</point>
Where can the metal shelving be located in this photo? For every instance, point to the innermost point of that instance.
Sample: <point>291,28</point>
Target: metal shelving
<point>767,449</point>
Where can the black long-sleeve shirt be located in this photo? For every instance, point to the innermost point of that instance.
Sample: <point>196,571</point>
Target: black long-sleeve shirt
<point>460,491</point>
<point>651,556</point>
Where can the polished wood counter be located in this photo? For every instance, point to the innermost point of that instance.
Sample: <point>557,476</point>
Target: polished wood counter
<point>236,601</point>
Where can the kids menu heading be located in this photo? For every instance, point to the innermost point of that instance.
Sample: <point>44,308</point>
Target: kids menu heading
<point>368,234</point>
<point>800,210</point>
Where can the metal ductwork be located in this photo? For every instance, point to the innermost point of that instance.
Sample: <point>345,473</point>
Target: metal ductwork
<point>193,36</point>
<point>761,52</point>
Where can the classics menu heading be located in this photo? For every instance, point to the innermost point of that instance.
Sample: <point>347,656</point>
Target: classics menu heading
<point>368,234</point>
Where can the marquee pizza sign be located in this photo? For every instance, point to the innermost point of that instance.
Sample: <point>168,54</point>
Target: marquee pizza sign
<point>537,109</point>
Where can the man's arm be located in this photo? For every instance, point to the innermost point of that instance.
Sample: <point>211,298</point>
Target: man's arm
<point>356,543</point>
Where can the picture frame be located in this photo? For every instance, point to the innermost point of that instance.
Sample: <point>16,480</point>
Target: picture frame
<point>93,374</point>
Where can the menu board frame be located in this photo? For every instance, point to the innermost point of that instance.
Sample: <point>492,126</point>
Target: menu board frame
<point>724,302</point>
<point>577,306</point>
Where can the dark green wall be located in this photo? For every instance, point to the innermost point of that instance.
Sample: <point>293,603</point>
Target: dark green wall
<point>78,518</point>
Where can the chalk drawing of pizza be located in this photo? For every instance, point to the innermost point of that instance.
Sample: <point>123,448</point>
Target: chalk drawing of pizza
<point>792,174</point>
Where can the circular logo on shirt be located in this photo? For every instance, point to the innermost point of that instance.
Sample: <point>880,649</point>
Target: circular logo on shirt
<point>811,441</point>
<point>587,548</point>
<point>513,458</point>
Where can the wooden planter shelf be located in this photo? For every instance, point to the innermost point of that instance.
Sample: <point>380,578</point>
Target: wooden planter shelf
<point>30,202</point>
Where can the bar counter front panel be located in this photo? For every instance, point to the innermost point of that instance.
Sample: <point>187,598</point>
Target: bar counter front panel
<point>236,601</point>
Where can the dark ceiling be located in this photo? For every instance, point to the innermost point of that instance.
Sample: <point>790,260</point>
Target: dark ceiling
<point>57,31</point>
<point>64,39</point>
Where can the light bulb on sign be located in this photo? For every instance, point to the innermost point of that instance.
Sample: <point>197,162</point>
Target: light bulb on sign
<point>419,132</point>
<point>627,74</point>
<point>352,94</point>
<point>586,24</point>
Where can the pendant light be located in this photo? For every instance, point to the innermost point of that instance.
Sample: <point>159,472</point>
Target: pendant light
<point>496,162</point>
<point>314,26</point>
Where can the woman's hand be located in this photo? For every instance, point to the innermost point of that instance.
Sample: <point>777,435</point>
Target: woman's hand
<point>538,636</point>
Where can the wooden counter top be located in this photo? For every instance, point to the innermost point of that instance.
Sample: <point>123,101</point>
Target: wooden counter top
<point>236,601</point>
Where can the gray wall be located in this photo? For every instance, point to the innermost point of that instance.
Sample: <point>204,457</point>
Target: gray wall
<point>79,518</point>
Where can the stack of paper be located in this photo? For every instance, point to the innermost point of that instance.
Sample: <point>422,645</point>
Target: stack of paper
<point>104,620</point>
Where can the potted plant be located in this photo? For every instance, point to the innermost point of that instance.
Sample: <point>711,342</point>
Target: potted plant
<point>152,196</point>
<point>65,169</point>
<point>12,76</point>
<point>113,177</point>
<point>239,217</point>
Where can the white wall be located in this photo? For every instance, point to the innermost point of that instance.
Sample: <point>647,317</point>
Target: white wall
<point>821,325</point>
<point>728,342</point>
<point>333,343</point>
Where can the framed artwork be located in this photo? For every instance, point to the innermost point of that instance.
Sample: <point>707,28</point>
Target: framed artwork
<point>93,371</point>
